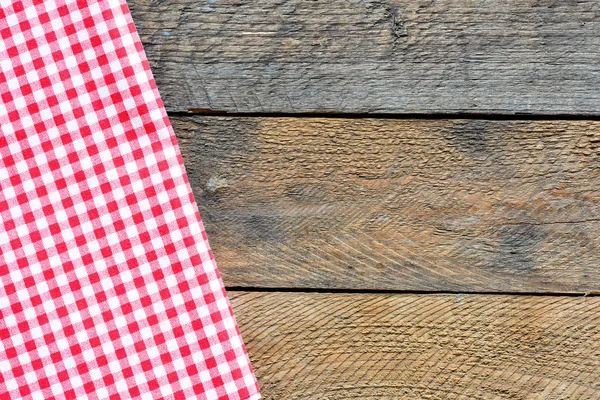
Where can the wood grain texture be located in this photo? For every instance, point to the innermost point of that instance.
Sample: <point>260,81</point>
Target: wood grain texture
<point>360,346</point>
<point>374,56</point>
<point>443,205</point>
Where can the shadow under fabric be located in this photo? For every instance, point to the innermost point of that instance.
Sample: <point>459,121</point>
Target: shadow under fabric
<point>108,287</point>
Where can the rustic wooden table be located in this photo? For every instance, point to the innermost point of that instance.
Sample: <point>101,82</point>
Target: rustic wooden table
<point>403,196</point>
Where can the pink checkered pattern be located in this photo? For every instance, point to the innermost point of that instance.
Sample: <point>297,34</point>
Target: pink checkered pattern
<point>108,289</point>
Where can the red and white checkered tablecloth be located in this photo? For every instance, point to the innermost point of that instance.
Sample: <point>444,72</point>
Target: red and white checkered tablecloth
<point>108,287</point>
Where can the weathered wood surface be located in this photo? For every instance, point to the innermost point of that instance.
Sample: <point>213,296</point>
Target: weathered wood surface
<point>444,205</point>
<point>374,56</point>
<point>357,346</point>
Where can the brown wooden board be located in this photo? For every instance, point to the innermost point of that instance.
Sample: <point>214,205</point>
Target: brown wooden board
<point>442,205</point>
<point>374,56</point>
<point>361,346</point>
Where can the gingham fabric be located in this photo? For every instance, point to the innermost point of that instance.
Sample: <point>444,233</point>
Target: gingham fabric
<point>108,287</point>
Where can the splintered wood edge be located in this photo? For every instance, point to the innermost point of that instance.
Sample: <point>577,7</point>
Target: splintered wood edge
<point>379,346</point>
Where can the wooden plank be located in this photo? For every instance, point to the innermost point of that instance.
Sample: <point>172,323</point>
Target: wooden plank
<point>448,205</point>
<point>365,346</point>
<point>374,56</point>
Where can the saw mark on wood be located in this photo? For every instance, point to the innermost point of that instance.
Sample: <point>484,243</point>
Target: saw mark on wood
<point>386,346</point>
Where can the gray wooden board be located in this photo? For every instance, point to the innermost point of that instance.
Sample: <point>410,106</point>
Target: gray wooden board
<point>401,204</point>
<point>366,56</point>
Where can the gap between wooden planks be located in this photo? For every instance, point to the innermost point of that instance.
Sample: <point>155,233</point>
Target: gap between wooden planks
<point>399,204</point>
<point>385,346</point>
